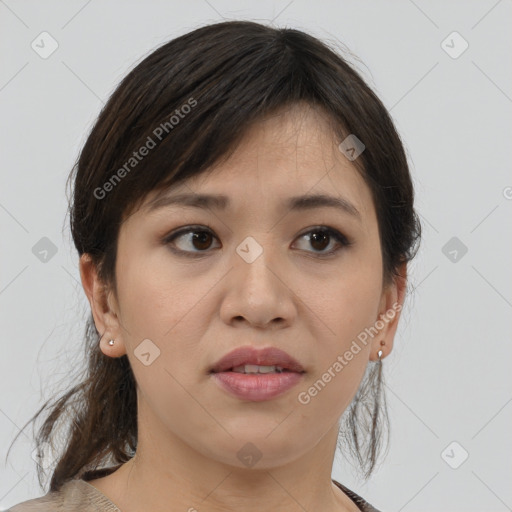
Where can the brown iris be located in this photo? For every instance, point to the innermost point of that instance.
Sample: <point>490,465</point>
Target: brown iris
<point>315,237</point>
<point>202,237</point>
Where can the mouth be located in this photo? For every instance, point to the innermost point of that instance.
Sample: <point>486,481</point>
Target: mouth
<point>257,374</point>
<point>251,360</point>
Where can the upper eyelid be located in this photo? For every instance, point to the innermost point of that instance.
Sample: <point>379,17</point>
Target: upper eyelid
<point>204,227</point>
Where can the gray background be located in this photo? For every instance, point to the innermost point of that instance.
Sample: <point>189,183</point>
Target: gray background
<point>448,378</point>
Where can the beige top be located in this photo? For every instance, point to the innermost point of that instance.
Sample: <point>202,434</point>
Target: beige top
<point>80,496</point>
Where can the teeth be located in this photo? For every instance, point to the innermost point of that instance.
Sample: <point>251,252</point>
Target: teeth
<point>254,368</point>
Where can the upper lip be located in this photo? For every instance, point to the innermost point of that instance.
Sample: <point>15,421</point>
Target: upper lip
<point>270,356</point>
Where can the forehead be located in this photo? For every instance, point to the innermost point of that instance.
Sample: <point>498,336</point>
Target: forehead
<point>287,155</point>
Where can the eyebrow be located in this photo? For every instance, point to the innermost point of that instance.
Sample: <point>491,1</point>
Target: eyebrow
<point>221,202</point>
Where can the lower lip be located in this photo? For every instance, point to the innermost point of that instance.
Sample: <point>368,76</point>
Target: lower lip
<point>257,387</point>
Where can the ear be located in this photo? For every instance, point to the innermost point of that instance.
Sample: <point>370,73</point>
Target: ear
<point>103,307</point>
<point>390,308</point>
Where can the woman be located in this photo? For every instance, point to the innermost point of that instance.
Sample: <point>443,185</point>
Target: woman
<point>243,212</point>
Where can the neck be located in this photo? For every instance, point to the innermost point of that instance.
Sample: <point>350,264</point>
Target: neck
<point>171,475</point>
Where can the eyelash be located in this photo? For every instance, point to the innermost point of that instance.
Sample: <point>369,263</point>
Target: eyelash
<point>331,232</point>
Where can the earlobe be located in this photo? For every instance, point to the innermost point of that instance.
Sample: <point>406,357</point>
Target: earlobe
<point>111,347</point>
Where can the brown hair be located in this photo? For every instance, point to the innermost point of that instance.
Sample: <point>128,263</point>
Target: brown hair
<point>194,98</point>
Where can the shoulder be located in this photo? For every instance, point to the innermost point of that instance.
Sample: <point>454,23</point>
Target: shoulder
<point>361,503</point>
<point>51,501</point>
<point>73,496</point>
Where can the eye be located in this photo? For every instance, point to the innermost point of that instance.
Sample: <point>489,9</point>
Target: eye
<point>196,236</point>
<point>199,238</point>
<point>321,237</point>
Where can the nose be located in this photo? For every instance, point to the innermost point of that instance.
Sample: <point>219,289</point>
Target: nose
<point>257,293</point>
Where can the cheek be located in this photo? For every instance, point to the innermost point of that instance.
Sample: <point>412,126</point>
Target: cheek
<point>161,305</point>
<point>348,301</point>
<point>348,308</point>
<point>154,295</point>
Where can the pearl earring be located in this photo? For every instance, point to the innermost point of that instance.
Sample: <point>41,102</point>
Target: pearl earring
<point>111,342</point>
<point>380,352</point>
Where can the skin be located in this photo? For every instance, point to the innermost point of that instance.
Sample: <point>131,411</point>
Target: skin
<point>195,310</point>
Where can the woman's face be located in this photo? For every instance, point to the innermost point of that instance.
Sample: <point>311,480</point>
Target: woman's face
<point>261,274</point>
